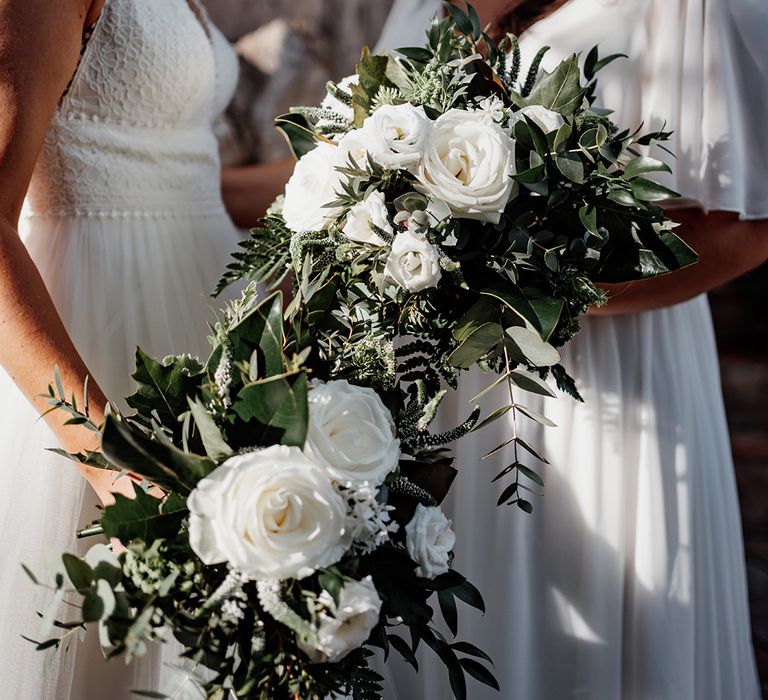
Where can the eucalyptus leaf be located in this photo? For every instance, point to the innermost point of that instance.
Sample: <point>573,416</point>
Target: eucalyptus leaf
<point>528,347</point>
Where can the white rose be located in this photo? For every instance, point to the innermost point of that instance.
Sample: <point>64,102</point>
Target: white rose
<point>430,540</point>
<point>541,116</point>
<point>272,514</point>
<point>371,211</point>
<point>346,626</point>
<point>414,263</point>
<point>468,164</point>
<point>397,135</point>
<point>351,433</point>
<point>314,184</point>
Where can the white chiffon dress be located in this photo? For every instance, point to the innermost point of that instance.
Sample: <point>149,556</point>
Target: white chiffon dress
<point>628,581</point>
<point>125,221</point>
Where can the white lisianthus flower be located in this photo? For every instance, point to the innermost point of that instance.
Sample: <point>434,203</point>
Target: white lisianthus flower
<point>468,164</point>
<point>371,211</point>
<point>351,433</point>
<point>541,116</point>
<point>398,135</point>
<point>413,262</point>
<point>430,540</point>
<point>314,184</point>
<point>344,627</point>
<point>271,514</point>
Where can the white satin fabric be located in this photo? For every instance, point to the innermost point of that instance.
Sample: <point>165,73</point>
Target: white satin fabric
<point>125,222</point>
<point>628,581</point>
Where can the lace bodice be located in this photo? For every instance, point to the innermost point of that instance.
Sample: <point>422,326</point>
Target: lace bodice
<point>133,135</point>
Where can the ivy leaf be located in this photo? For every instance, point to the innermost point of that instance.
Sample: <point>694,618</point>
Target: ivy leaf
<point>143,518</point>
<point>163,387</point>
<point>560,90</point>
<point>276,409</point>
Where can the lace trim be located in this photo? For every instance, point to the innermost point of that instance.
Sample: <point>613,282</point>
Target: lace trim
<point>213,209</point>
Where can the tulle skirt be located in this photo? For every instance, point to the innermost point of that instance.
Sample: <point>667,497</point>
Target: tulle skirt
<point>117,283</point>
<point>628,580</point>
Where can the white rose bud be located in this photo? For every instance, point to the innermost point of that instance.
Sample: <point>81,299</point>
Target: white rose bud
<point>346,626</point>
<point>468,164</point>
<point>397,135</point>
<point>371,211</point>
<point>544,118</point>
<point>314,184</point>
<point>272,514</point>
<point>430,540</point>
<point>351,433</point>
<point>414,263</point>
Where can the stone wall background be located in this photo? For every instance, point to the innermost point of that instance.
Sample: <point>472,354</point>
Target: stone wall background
<point>298,45</point>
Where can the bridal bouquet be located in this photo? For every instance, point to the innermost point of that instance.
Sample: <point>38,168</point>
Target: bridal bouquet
<point>445,196</point>
<point>292,522</point>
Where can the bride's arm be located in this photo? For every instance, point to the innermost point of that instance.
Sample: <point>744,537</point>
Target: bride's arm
<point>39,49</point>
<point>728,248</point>
<point>248,191</point>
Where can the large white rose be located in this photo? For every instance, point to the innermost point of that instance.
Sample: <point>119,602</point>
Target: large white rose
<point>314,184</point>
<point>541,116</point>
<point>346,626</point>
<point>397,135</point>
<point>468,164</point>
<point>372,210</point>
<point>413,262</point>
<point>272,514</point>
<point>351,433</point>
<point>430,540</point>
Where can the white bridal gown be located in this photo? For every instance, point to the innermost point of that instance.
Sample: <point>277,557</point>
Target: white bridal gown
<point>628,581</point>
<point>125,221</point>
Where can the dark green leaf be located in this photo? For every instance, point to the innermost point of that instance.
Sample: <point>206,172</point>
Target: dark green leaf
<point>643,165</point>
<point>215,445</point>
<point>649,191</point>
<point>471,650</point>
<point>159,462</point>
<point>298,133</point>
<point>480,673</point>
<point>571,167</point>
<point>448,609</point>
<point>80,574</point>
<point>276,409</point>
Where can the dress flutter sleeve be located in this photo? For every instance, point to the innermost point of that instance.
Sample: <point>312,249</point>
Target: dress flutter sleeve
<point>707,67</point>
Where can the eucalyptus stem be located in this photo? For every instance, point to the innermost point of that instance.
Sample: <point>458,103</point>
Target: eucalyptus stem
<point>513,411</point>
